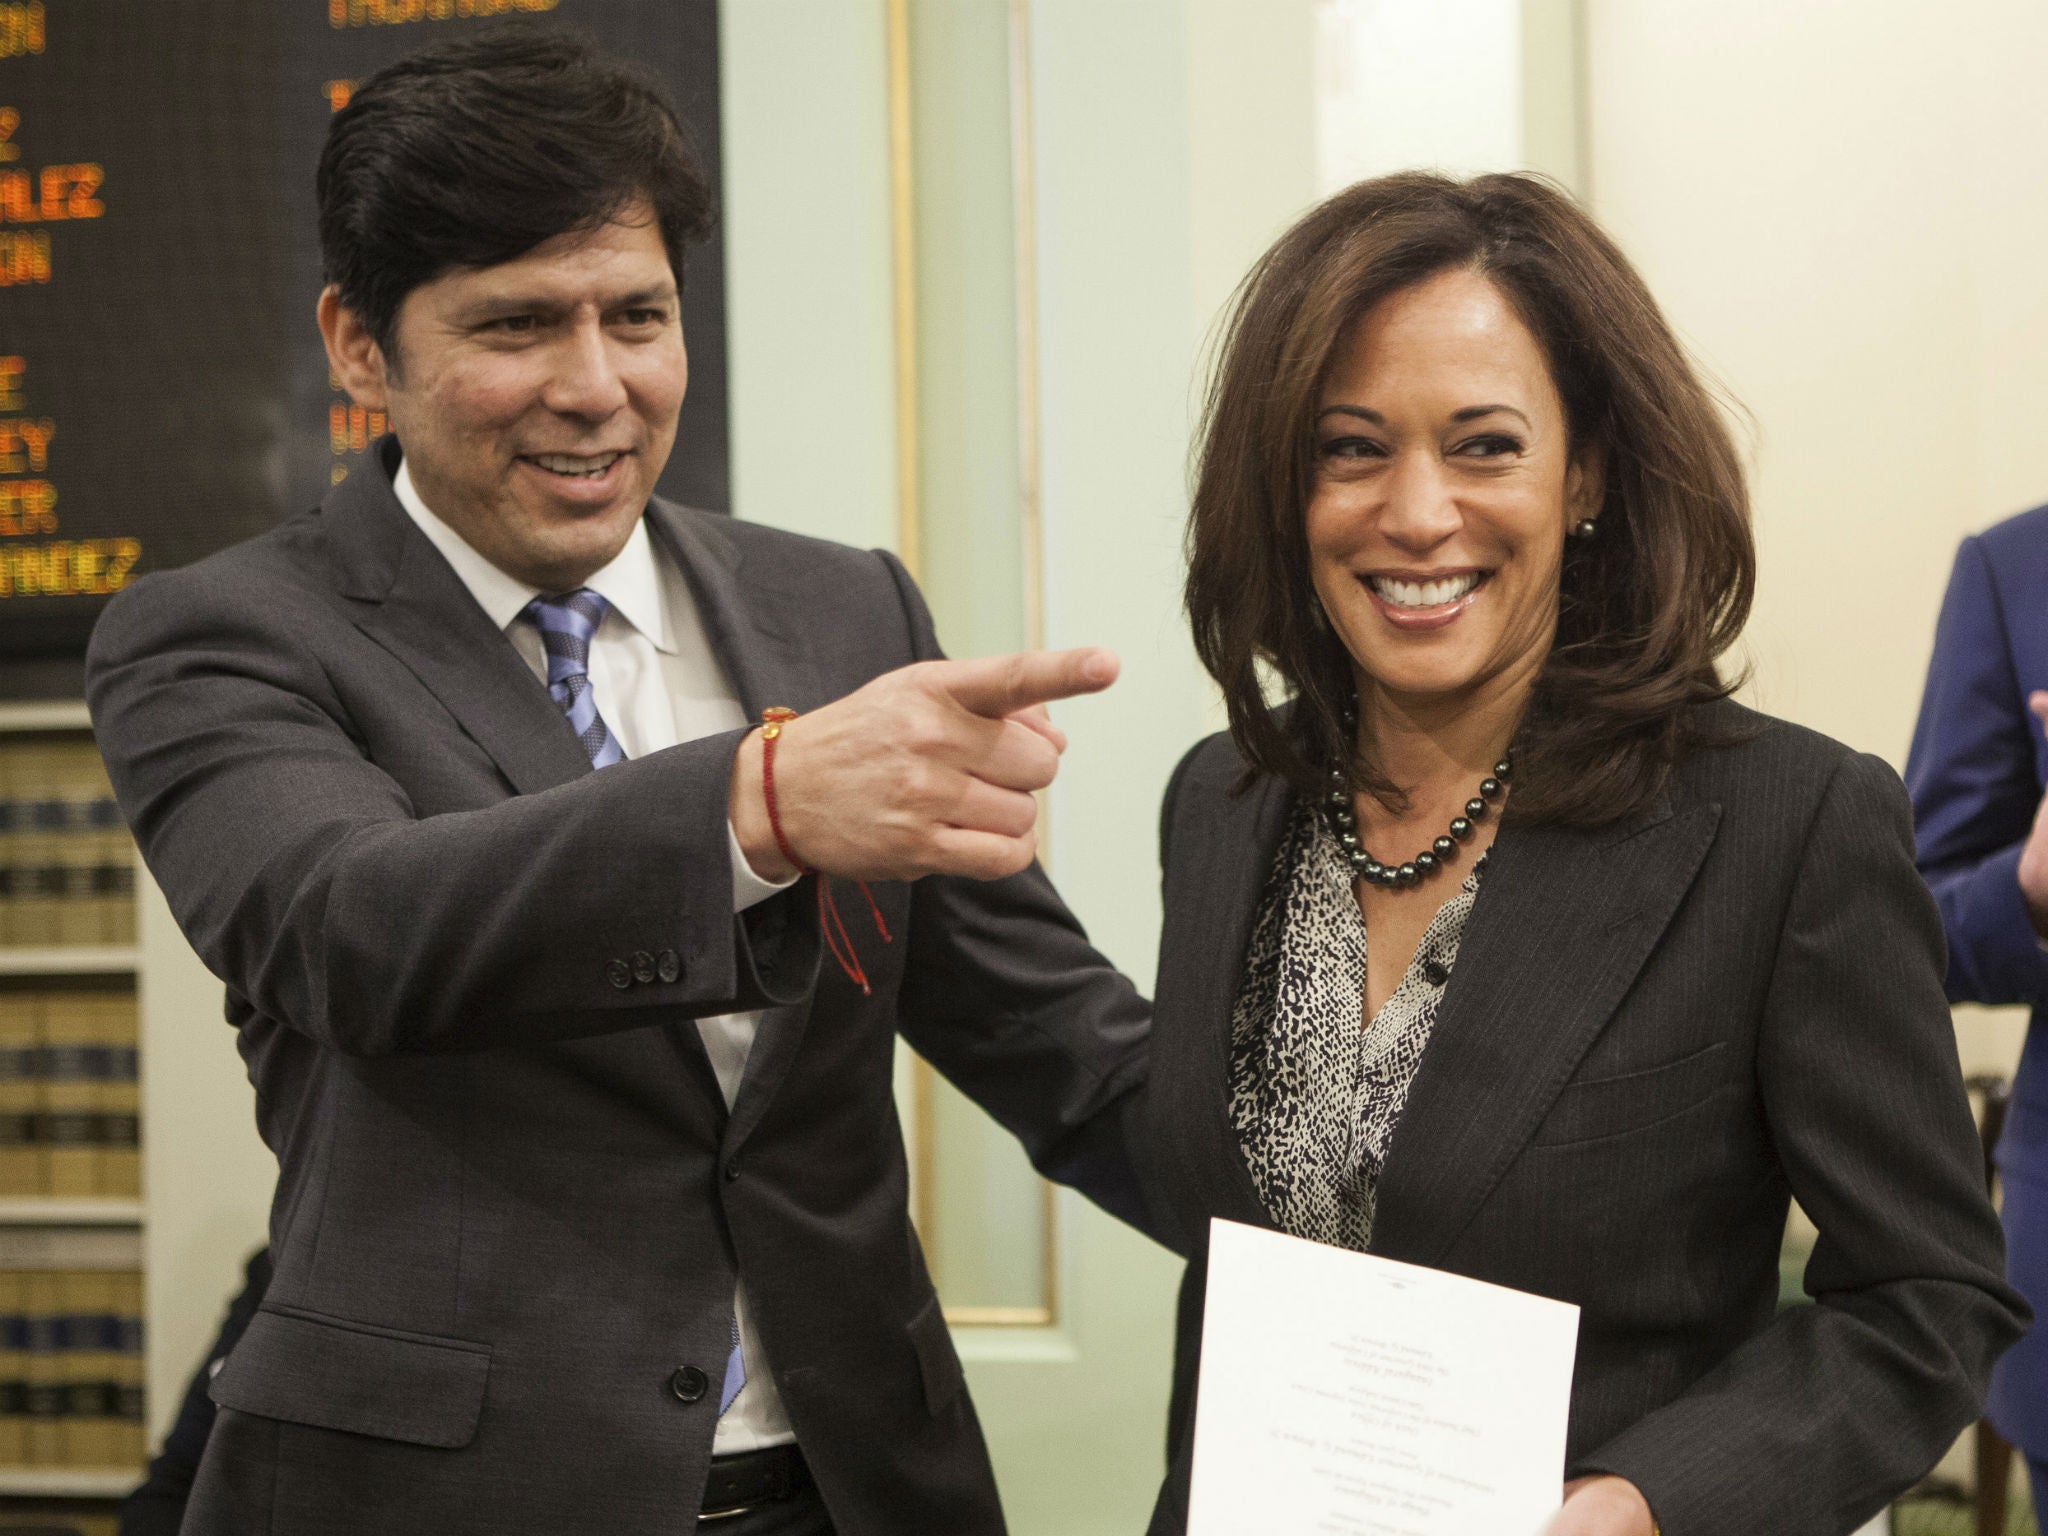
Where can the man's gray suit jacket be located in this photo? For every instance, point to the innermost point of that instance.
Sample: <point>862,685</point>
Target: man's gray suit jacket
<point>511,1202</point>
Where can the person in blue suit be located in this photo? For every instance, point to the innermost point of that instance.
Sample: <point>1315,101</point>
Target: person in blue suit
<point>1976,773</point>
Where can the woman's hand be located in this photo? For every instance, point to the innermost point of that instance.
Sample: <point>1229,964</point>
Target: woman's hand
<point>1602,1506</point>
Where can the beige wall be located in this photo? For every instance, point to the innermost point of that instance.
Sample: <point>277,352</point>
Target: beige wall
<point>1844,209</point>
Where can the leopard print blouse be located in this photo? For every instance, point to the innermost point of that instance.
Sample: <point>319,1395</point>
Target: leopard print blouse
<point>1313,1096</point>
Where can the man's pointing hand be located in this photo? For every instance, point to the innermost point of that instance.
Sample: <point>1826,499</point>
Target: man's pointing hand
<point>927,770</point>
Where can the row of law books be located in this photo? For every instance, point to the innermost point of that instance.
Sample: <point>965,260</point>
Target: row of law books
<point>66,1519</point>
<point>71,1340</point>
<point>67,863</point>
<point>69,1094</point>
<point>71,1368</point>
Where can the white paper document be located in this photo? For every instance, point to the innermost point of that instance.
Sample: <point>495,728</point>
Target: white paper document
<point>1342,1393</point>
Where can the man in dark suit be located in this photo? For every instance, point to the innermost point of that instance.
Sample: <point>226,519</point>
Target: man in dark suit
<point>1976,773</point>
<point>591,1204</point>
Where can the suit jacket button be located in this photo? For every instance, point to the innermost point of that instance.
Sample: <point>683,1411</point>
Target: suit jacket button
<point>668,965</point>
<point>732,1171</point>
<point>619,974</point>
<point>689,1384</point>
<point>643,966</point>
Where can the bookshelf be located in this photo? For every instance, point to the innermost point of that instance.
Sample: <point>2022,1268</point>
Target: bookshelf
<point>74,960</point>
<point>47,1211</point>
<point>183,1221</point>
<point>46,715</point>
<point>65,1483</point>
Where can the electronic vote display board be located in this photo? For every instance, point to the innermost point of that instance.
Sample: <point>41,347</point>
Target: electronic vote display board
<point>163,391</point>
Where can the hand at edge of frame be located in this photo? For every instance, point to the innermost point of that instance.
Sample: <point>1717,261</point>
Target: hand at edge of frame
<point>1602,1506</point>
<point>2033,871</point>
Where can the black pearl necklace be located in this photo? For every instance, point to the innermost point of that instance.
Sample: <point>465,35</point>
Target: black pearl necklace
<point>1433,858</point>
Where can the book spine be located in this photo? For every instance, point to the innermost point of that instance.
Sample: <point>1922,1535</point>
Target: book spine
<point>113,875</point>
<point>21,1092</point>
<point>81,782</point>
<point>76,1065</point>
<point>13,1368</point>
<point>12,822</point>
<point>119,1099</point>
<point>40,820</point>
<point>46,1397</point>
<point>93,1430</point>
<point>134,1441</point>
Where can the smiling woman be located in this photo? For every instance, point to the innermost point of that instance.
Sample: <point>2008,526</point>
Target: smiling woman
<point>1462,495</point>
<point>1547,354</point>
<point>1436,528</point>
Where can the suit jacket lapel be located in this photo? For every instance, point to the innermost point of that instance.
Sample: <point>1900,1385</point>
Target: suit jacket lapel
<point>1564,921</point>
<point>1212,905</point>
<point>764,659</point>
<point>414,605</point>
<point>743,609</point>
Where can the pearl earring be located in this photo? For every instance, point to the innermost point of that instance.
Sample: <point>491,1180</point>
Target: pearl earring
<point>1585,528</point>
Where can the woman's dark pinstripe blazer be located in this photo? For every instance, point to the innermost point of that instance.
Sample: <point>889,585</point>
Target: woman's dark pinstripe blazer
<point>1657,1034</point>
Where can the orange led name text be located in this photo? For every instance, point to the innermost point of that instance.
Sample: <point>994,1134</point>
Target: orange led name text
<point>21,30</point>
<point>56,192</point>
<point>350,428</point>
<point>27,507</point>
<point>64,568</point>
<point>25,446</point>
<point>397,13</point>
<point>24,257</point>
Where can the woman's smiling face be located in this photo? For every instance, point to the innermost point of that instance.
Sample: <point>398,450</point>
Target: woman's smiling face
<point>1445,483</point>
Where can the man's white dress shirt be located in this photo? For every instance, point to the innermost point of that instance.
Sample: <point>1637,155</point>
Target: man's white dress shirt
<point>657,684</point>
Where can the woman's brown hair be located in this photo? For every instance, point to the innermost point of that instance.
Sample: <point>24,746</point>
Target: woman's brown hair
<point>1646,607</point>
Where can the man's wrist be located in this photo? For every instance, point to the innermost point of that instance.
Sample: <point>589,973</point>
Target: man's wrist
<point>749,887</point>
<point>746,808</point>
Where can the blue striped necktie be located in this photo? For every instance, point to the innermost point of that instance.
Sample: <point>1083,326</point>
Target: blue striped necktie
<point>566,624</point>
<point>735,1370</point>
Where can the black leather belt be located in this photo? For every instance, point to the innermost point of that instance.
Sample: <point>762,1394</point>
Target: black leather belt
<point>750,1479</point>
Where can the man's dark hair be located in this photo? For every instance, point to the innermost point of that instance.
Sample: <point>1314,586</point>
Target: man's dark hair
<point>474,152</point>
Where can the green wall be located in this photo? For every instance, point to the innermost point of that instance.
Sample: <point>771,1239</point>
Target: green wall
<point>1172,140</point>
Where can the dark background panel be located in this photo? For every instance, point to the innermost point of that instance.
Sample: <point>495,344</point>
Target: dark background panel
<point>151,346</point>
<point>174,346</point>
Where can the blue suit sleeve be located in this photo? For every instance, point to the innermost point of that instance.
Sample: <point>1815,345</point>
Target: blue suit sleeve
<point>1975,788</point>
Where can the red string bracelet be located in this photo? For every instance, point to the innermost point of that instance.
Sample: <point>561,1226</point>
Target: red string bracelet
<point>837,939</point>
